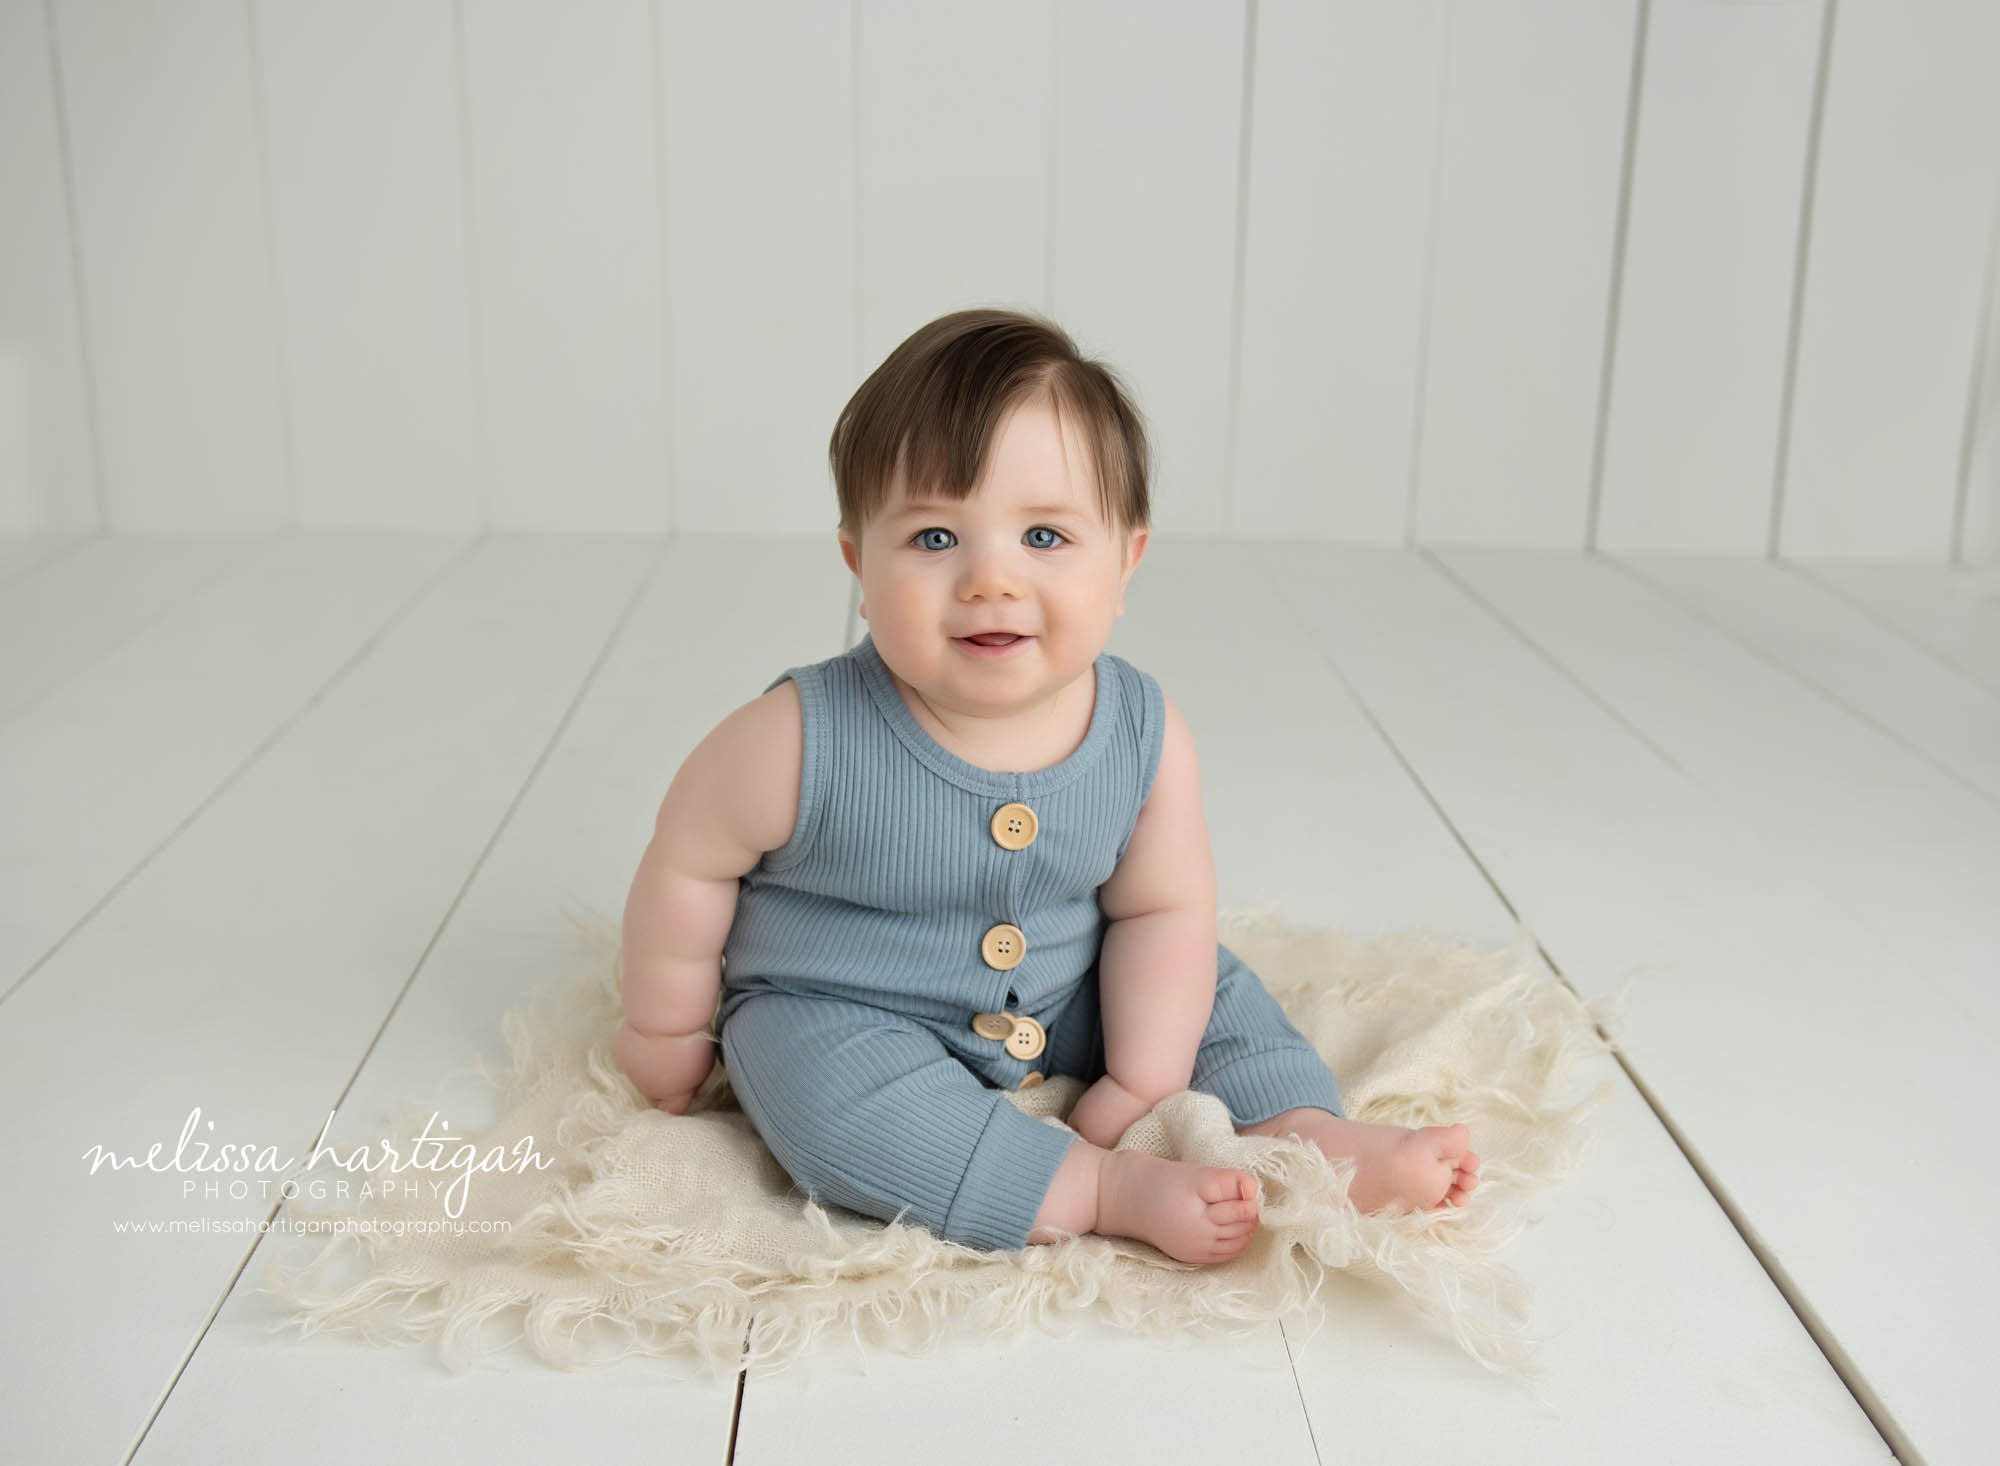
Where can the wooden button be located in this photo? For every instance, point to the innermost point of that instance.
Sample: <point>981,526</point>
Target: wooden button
<point>1028,1039</point>
<point>993,1025</point>
<point>1029,1081</point>
<point>1015,826</point>
<point>1003,946</point>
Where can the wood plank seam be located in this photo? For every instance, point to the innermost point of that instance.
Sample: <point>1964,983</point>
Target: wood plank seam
<point>251,545</point>
<point>1836,1355</point>
<point>1801,255</point>
<point>1621,228</point>
<point>248,762</point>
<point>1833,588</point>
<point>444,922</point>
<point>54,557</point>
<point>1553,665</point>
<point>1969,438</point>
<point>1803,678</point>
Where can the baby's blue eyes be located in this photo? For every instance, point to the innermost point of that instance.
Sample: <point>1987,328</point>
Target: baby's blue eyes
<point>1038,529</point>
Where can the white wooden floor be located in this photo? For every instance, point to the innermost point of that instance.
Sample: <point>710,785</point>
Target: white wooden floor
<point>288,822</point>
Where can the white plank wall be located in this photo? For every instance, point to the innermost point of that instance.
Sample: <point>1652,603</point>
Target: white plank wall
<point>1340,161</point>
<point>564,175</point>
<point>955,142</point>
<point>1143,209</point>
<point>1697,373</point>
<point>762,258</point>
<point>1901,234</point>
<point>1524,272</point>
<point>1979,494</point>
<point>173,229</point>
<point>48,467</point>
<point>1530,156</point>
<point>367,187</point>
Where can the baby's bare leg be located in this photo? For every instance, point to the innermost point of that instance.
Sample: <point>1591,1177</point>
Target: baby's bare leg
<point>1190,1212</point>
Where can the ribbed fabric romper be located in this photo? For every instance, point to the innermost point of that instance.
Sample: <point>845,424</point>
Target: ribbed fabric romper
<point>862,950</point>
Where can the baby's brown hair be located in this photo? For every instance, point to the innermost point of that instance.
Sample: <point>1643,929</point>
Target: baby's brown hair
<point>931,409</point>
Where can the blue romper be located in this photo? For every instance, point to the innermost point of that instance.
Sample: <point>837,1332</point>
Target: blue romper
<point>929,933</point>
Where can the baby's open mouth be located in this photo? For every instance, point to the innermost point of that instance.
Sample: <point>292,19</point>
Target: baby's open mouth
<point>992,638</point>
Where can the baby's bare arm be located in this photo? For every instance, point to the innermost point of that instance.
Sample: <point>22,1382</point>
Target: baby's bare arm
<point>1156,983</point>
<point>735,797</point>
<point>1157,967</point>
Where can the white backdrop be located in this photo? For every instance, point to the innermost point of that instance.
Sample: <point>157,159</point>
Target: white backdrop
<point>1681,274</point>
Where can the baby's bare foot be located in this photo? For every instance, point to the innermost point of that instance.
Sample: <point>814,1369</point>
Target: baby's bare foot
<point>1414,1168</point>
<point>1190,1212</point>
<point>1394,1166</point>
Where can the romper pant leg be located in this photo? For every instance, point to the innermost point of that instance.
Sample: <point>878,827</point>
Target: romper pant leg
<point>870,1111</point>
<point>1252,1057</point>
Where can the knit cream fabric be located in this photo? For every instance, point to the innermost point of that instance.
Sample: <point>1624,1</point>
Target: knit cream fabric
<point>668,1234</point>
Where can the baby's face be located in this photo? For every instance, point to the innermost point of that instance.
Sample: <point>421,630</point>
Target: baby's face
<point>1028,552</point>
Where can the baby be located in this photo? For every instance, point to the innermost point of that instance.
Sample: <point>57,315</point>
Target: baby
<point>970,853</point>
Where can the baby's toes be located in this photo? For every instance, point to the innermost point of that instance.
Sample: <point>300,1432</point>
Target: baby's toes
<point>1225,1213</point>
<point>1225,1185</point>
<point>1233,1199</point>
<point>1453,1141</point>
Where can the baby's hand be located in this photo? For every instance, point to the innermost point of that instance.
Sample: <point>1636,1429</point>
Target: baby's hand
<point>1106,1111</point>
<point>667,1069</point>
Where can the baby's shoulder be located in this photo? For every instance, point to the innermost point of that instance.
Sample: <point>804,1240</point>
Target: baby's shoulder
<point>750,763</point>
<point>771,725</point>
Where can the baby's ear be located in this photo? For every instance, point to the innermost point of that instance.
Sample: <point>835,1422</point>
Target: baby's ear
<point>1135,551</point>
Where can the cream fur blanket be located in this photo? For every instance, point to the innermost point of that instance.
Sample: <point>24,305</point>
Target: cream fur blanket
<point>661,1234</point>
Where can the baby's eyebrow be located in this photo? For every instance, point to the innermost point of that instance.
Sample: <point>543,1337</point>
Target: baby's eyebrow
<point>931,506</point>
